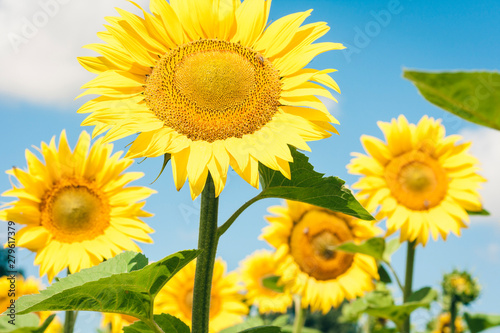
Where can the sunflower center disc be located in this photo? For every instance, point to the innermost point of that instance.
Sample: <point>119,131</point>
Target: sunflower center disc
<point>213,90</point>
<point>313,241</point>
<point>74,213</point>
<point>417,180</point>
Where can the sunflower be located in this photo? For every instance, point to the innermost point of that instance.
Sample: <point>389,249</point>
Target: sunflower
<point>209,84</point>
<point>443,324</point>
<point>256,267</point>
<point>117,321</point>
<point>13,288</point>
<point>76,204</point>
<point>423,181</point>
<point>304,237</point>
<point>226,304</point>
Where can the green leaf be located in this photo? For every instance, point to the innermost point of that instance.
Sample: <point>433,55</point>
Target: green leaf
<point>27,323</point>
<point>263,329</point>
<point>482,212</point>
<point>391,246</point>
<point>123,284</point>
<point>281,320</point>
<point>309,186</point>
<point>473,96</point>
<point>373,247</point>
<point>250,322</point>
<point>271,282</point>
<point>398,313</point>
<point>380,298</point>
<point>479,322</point>
<point>168,323</point>
<point>384,275</point>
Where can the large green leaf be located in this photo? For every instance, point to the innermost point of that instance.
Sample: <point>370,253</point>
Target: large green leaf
<point>168,323</point>
<point>474,96</point>
<point>379,303</point>
<point>479,322</point>
<point>398,313</point>
<point>27,323</point>
<point>309,186</point>
<point>123,284</point>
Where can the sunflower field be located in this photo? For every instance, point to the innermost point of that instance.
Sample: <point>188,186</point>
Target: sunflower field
<point>223,183</point>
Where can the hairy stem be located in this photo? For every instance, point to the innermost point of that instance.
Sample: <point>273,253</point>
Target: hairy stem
<point>410,259</point>
<point>207,243</point>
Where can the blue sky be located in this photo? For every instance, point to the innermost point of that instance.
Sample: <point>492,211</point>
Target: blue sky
<point>40,77</point>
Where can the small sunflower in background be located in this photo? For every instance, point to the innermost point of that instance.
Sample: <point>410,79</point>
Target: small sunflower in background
<point>226,304</point>
<point>76,203</point>
<point>23,287</point>
<point>443,323</point>
<point>305,238</point>
<point>211,84</point>
<point>423,181</point>
<point>254,269</point>
<point>116,321</point>
<point>461,286</point>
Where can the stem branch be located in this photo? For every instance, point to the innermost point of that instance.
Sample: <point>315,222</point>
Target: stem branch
<point>223,228</point>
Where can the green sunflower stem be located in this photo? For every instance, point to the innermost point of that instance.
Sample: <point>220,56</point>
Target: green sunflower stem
<point>453,313</point>
<point>207,243</point>
<point>300,315</point>
<point>70,317</point>
<point>410,259</point>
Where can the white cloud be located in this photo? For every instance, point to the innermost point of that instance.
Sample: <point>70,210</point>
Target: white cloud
<point>486,147</point>
<point>39,44</point>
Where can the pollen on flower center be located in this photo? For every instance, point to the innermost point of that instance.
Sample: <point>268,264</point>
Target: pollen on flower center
<point>74,211</point>
<point>213,90</point>
<point>417,180</point>
<point>313,242</point>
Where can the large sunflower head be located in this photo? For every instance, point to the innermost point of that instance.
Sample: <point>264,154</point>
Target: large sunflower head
<point>226,303</point>
<point>76,203</point>
<point>13,287</point>
<point>305,238</point>
<point>423,181</point>
<point>211,84</point>
<point>254,269</point>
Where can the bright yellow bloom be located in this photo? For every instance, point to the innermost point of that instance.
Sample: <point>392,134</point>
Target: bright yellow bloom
<point>443,324</point>
<point>210,84</point>
<point>226,304</point>
<point>305,237</point>
<point>76,204</point>
<point>117,321</point>
<point>423,181</point>
<point>256,267</point>
<point>12,289</point>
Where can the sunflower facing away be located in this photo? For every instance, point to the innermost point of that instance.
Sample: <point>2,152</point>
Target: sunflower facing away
<point>76,203</point>
<point>423,181</point>
<point>256,267</point>
<point>226,304</point>
<point>207,82</point>
<point>304,236</point>
<point>23,287</point>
